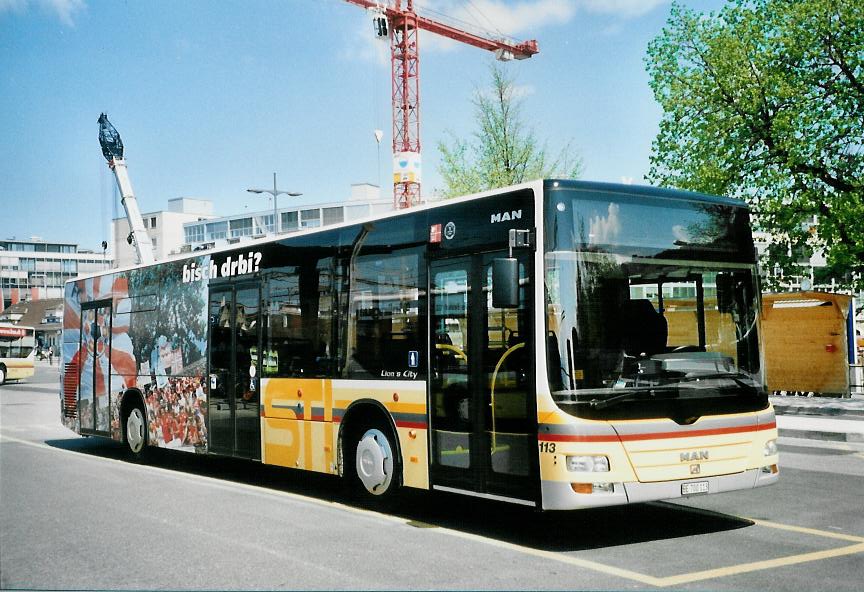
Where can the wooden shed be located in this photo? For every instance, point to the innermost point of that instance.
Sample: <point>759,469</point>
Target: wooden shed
<point>805,337</point>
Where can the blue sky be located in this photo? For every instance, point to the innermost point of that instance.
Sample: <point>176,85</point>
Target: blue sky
<point>211,97</point>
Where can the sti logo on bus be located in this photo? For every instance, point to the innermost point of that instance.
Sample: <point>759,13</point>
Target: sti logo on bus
<point>505,216</point>
<point>694,455</point>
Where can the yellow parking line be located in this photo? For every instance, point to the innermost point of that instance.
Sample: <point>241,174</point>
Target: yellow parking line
<point>822,533</point>
<point>734,570</point>
<point>575,561</point>
<point>662,582</point>
<point>742,568</point>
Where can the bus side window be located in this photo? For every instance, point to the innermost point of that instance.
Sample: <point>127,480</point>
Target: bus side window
<point>385,314</point>
<point>299,311</point>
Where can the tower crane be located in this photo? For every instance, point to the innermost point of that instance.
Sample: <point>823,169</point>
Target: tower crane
<point>401,24</point>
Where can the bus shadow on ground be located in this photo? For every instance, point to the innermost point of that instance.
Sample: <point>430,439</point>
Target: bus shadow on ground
<point>594,528</point>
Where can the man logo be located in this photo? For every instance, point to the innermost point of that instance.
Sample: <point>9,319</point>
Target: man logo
<point>505,216</point>
<point>694,469</point>
<point>694,455</point>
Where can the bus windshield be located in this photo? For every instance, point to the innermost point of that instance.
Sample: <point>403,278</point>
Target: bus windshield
<point>651,307</point>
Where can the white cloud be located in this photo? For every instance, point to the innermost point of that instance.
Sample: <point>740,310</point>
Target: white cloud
<point>516,20</point>
<point>63,10</point>
<point>13,5</point>
<point>622,8</point>
<point>494,18</point>
<point>521,19</point>
<point>362,45</point>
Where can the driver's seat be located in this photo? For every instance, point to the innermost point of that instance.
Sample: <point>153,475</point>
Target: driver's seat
<point>644,329</point>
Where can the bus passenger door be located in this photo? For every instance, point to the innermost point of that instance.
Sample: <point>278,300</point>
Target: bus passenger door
<point>482,400</point>
<point>235,331</point>
<point>94,389</point>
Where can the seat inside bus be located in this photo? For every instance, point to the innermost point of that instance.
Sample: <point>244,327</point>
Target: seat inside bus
<point>644,330</point>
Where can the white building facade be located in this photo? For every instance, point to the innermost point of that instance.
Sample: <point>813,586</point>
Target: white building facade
<point>35,269</point>
<point>365,200</point>
<point>165,229</point>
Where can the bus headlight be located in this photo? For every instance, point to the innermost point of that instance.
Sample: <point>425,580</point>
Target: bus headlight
<point>770,448</point>
<point>588,464</point>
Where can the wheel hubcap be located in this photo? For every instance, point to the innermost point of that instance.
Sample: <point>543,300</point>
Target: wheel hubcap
<point>135,430</point>
<point>375,462</point>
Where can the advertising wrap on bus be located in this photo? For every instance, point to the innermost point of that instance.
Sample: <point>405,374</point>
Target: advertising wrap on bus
<point>623,358</point>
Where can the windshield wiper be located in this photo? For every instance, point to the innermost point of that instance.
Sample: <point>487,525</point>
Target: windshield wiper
<point>630,394</point>
<point>736,377</point>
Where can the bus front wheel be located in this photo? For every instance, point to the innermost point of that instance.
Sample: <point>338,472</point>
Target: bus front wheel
<point>2,375</point>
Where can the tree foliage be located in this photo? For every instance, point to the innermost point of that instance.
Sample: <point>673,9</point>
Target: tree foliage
<point>503,150</point>
<point>764,100</point>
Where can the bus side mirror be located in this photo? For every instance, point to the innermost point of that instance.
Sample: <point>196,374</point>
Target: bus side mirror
<point>505,283</point>
<point>95,331</point>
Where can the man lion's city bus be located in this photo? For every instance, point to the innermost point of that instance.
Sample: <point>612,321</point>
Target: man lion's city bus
<point>17,352</point>
<point>558,344</point>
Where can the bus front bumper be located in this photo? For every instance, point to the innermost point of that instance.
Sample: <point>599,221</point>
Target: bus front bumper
<point>558,495</point>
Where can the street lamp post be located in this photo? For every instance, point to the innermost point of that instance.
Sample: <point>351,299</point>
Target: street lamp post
<point>275,192</point>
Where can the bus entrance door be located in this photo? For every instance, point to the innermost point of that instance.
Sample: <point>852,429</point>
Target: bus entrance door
<point>235,331</point>
<point>482,405</point>
<point>95,348</point>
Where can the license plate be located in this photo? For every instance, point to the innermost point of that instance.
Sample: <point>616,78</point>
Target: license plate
<point>693,488</point>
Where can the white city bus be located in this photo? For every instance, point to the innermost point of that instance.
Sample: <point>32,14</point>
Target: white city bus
<point>17,352</point>
<point>559,344</point>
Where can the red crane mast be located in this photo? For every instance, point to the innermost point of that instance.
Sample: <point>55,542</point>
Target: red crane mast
<point>404,23</point>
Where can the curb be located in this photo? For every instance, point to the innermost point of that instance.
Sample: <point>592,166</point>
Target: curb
<point>853,437</point>
<point>781,409</point>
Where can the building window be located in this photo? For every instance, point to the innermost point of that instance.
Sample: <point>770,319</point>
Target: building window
<point>241,227</point>
<point>289,221</point>
<point>333,215</point>
<point>153,222</point>
<point>216,231</point>
<point>194,234</point>
<point>267,221</point>
<point>310,218</point>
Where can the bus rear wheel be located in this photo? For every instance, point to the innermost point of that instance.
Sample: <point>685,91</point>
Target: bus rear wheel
<point>136,432</point>
<point>376,466</point>
<point>2,375</point>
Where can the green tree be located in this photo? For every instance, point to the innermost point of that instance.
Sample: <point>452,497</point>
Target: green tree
<point>764,100</point>
<point>503,150</point>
